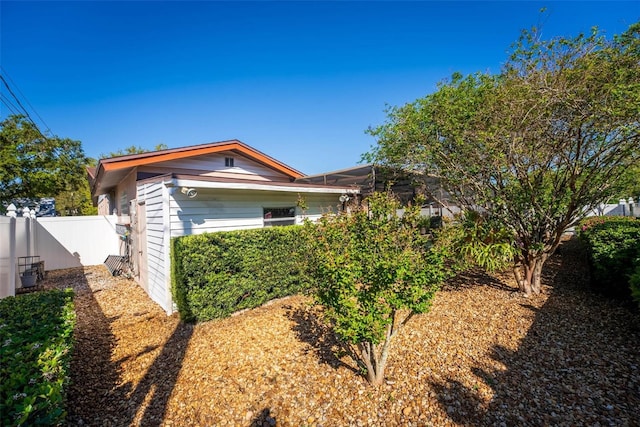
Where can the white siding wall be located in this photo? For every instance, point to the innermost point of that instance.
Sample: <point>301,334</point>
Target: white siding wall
<point>159,281</point>
<point>225,210</point>
<point>171,214</point>
<point>214,165</point>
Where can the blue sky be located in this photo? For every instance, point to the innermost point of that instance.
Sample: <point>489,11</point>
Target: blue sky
<point>299,81</point>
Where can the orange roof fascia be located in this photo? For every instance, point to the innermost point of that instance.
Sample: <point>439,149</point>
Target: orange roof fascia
<point>91,171</point>
<point>157,158</point>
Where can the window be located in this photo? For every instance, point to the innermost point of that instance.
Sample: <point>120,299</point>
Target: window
<point>273,217</point>
<point>228,162</point>
<point>124,204</point>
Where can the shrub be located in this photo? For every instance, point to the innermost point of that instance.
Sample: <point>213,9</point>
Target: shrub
<point>634,282</point>
<point>374,270</point>
<point>613,245</point>
<point>216,274</point>
<point>36,337</point>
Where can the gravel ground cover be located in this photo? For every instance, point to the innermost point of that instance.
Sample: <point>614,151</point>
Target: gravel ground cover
<point>483,356</point>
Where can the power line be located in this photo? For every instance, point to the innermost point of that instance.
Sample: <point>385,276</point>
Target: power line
<point>48,130</point>
<point>24,110</point>
<point>62,154</point>
<point>26,113</point>
<point>7,102</point>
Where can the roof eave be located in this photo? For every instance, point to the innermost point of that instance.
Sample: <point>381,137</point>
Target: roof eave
<point>197,150</point>
<point>182,181</point>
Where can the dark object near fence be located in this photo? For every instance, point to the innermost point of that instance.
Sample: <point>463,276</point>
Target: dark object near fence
<point>114,264</point>
<point>31,270</point>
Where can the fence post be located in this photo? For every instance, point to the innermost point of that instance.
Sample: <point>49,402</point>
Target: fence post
<point>26,214</point>
<point>631,210</point>
<point>34,231</point>
<point>13,261</point>
<point>623,206</point>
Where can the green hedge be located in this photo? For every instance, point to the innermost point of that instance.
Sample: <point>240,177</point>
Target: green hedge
<point>613,245</point>
<point>36,339</point>
<point>634,282</point>
<point>216,274</point>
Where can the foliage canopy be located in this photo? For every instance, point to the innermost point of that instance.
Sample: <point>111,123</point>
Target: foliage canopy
<point>373,272</point>
<point>533,146</point>
<point>132,149</point>
<point>34,166</point>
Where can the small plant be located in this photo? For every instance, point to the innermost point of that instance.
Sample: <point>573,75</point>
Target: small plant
<point>476,239</point>
<point>374,270</point>
<point>36,337</point>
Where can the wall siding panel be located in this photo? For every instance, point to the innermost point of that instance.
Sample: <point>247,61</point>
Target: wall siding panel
<point>158,283</point>
<point>169,213</point>
<point>226,210</point>
<point>214,165</point>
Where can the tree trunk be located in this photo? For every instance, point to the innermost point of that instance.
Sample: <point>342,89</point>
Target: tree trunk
<point>528,274</point>
<point>375,356</point>
<point>536,283</point>
<point>374,363</point>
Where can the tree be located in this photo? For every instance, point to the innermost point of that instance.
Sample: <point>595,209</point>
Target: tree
<point>33,165</point>
<point>532,146</point>
<point>630,184</point>
<point>374,271</point>
<point>132,149</point>
<point>76,201</point>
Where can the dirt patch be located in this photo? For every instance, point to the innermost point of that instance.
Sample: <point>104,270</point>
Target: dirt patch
<point>483,355</point>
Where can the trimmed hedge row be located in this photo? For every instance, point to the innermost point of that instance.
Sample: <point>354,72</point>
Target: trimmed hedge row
<point>36,340</point>
<point>613,245</point>
<point>216,274</point>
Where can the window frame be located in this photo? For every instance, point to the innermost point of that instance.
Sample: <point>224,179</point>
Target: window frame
<point>284,216</point>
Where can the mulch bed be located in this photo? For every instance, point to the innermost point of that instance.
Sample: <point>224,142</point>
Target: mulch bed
<point>483,356</point>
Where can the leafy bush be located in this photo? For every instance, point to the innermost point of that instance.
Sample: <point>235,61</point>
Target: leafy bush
<point>216,274</point>
<point>36,337</point>
<point>613,245</point>
<point>634,282</point>
<point>374,271</point>
<point>478,240</point>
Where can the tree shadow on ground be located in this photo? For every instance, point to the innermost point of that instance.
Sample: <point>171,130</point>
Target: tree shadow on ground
<point>580,352</point>
<point>472,277</point>
<point>97,396</point>
<point>310,328</point>
<point>155,388</point>
<point>92,375</point>
<point>264,419</point>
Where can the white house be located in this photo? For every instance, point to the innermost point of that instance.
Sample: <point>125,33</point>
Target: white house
<point>203,188</point>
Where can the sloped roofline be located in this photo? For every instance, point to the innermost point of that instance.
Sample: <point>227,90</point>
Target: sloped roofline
<point>133,160</point>
<point>122,164</point>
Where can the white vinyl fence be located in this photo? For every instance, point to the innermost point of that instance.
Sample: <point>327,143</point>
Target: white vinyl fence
<point>624,207</point>
<point>59,242</point>
<point>66,242</point>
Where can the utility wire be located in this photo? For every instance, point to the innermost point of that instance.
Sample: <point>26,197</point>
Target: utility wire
<point>26,113</point>
<point>24,110</point>
<point>47,129</point>
<point>58,149</point>
<point>62,154</point>
<point>7,102</point>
